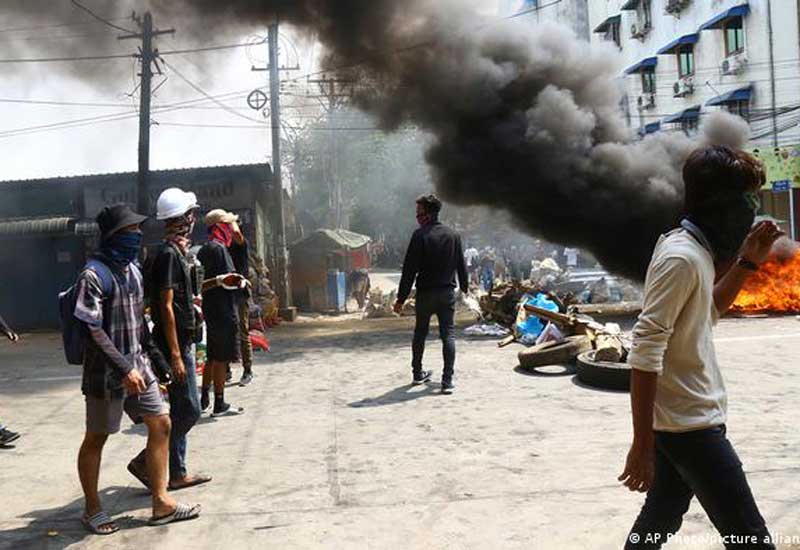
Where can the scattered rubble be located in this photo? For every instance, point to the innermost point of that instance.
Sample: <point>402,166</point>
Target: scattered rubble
<point>488,329</point>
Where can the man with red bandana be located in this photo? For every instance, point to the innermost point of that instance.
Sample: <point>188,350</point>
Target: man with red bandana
<point>220,307</point>
<point>434,261</point>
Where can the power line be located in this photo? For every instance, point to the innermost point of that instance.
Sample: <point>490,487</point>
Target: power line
<point>199,90</point>
<point>209,48</point>
<point>61,59</point>
<point>99,18</point>
<point>56,25</point>
<point>40,38</point>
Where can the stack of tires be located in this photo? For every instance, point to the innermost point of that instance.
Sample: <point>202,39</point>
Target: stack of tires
<point>600,374</point>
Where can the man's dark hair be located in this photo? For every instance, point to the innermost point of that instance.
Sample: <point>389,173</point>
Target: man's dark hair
<point>713,172</point>
<point>430,203</point>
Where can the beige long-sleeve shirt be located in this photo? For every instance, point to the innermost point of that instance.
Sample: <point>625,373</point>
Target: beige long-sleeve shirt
<point>673,336</point>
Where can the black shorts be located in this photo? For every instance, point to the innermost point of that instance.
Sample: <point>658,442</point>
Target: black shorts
<point>222,338</point>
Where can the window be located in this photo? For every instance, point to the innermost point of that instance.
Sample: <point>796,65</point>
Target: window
<point>686,60</point>
<point>649,81</point>
<point>646,14</point>
<point>690,126</point>
<point>740,108</point>
<point>614,33</point>
<point>734,36</point>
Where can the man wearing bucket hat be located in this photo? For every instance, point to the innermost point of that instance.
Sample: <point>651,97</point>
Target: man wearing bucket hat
<point>117,371</point>
<point>220,307</point>
<point>170,291</point>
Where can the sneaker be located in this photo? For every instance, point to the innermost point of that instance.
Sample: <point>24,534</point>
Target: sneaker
<point>447,387</point>
<point>247,377</point>
<point>205,401</point>
<point>7,436</point>
<point>228,375</point>
<point>423,377</point>
<point>227,410</point>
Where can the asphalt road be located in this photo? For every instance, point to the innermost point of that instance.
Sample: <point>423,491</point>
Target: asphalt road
<point>337,451</point>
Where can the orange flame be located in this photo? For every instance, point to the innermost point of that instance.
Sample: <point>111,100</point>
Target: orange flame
<point>775,287</point>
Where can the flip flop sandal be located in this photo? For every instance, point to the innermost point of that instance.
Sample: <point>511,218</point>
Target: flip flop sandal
<point>143,479</point>
<point>197,480</point>
<point>182,512</point>
<point>100,519</point>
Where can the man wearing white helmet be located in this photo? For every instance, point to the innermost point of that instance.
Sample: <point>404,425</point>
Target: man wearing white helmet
<point>170,291</point>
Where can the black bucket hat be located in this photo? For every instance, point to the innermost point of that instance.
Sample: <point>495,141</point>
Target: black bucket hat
<point>115,217</point>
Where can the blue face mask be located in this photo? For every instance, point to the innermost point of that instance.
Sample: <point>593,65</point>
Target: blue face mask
<point>124,247</point>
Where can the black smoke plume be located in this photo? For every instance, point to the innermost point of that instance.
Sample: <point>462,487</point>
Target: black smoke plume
<point>522,119</point>
<point>526,120</point>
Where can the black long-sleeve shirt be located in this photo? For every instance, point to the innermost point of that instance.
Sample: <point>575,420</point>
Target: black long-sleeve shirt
<point>434,258</point>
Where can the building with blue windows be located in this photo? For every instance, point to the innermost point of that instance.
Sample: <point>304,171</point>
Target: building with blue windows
<point>683,59</point>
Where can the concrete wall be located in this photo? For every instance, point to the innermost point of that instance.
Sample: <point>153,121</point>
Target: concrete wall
<point>709,54</point>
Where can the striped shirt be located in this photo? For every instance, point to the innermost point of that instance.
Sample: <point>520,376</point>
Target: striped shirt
<point>121,316</point>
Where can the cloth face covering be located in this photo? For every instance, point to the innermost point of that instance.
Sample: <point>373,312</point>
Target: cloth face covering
<point>222,233</point>
<point>179,231</point>
<point>123,248</point>
<point>424,219</point>
<point>726,221</point>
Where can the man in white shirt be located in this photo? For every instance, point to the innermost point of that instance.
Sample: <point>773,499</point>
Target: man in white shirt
<point>678,397</point>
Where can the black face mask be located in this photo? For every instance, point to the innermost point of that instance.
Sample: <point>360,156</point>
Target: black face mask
<point>725,223</point>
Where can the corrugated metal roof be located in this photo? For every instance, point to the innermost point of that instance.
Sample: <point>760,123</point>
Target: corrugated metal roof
<point>338,237</point>
<point>133,174</point>
<point>29,227</point>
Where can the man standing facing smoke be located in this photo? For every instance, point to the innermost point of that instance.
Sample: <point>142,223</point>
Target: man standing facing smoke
<point>434,258</point>
<point>679,404</point>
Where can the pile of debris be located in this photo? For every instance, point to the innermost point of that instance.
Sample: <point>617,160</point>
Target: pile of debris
<point>500,305</point>
<point>380,304</point>
<point>556,330</point>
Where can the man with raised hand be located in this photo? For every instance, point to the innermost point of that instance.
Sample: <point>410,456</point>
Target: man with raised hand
<point>679,404</point>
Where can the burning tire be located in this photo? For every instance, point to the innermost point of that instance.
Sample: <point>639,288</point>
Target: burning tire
<point>603,374</point>
<point>565,352</point>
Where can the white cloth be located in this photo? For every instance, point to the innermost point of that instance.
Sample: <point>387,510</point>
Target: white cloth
<point>470,255</point>
<point>572,256</point>
<point>673,336</point>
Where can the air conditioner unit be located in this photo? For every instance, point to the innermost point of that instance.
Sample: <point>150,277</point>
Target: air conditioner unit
<point>646,101</point>
<point>733,64</point>
<point>639,31</point>
<point>675,6</point>
<point>683,87</point>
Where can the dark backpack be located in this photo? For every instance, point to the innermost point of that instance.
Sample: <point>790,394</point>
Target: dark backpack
<point>73,333</point>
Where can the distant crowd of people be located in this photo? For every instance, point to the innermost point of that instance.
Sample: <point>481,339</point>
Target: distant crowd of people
<point>515,262</point>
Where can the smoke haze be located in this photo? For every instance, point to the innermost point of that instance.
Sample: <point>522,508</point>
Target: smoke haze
<point>523,120</point>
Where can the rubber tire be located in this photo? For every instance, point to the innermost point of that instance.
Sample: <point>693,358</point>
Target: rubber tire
<point>564,352</point>
<point>603,374</point>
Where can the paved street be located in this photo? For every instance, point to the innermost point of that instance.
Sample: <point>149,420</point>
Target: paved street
<point>336,451</point>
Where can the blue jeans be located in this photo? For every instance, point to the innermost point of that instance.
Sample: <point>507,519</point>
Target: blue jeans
<point>442,303</point>
<point>701,463</point>
<point>184,412</point>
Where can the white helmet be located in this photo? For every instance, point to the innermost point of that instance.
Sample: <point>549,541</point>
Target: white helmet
<point>174,202</point>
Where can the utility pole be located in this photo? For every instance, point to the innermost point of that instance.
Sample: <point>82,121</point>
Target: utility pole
<point>281,277</point>
<point>148,56</point>
<point>328,90</point>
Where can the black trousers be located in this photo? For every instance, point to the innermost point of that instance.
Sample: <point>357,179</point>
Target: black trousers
<point>699,463</point>
<point>442,303</point>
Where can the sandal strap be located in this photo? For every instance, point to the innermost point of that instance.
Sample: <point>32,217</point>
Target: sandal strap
<point>100,519</point>
<point>184,511</point>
